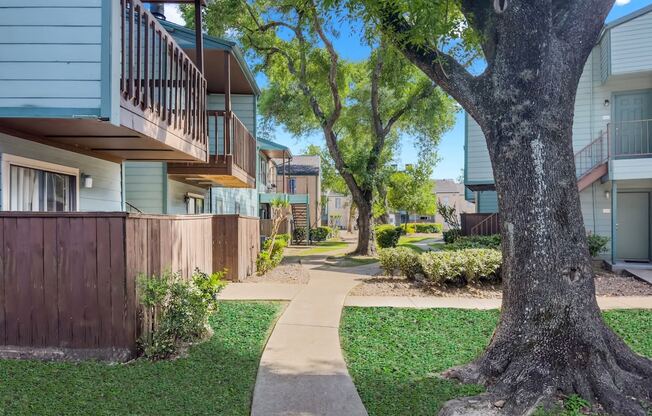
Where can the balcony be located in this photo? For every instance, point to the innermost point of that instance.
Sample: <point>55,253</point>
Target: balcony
<point>232,162</point>
<point>121,89</point>
<point>625,146</point>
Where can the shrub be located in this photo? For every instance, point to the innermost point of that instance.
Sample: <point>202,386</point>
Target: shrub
<point>284,237</point>
<point>464,265</point>
<point>450,236</point>
<point>299,235</point>
<point>320,233</point>
<point>267,261</point>
<point>402,260</point>
<point>597,244</point>
<point>474,241</point>
<point>424,227</point>
<point>176,311</point>
<point>387,235</point>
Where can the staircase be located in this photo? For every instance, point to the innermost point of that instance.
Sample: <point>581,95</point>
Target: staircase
<point>592,162</point>
<point>300,217</point>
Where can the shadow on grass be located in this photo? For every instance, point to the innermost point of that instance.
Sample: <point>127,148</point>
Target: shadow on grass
<point>394,355</point>
<point>217,377</point>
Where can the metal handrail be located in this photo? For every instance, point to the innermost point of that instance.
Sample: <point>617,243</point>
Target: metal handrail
<point>632,138</point>
<point>592,155</point>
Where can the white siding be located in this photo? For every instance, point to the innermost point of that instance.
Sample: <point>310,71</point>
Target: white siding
<point>478,164</point>
<point>50,54</point>
<point>106,193</point>
<point>145,186</point>
<point>631,46</point>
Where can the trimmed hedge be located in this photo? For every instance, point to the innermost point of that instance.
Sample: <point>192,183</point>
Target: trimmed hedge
<point>402,260</point>
<point>424,227</point>
<point>463,266</point>
<point>387,235</point>
<point>469,265</point>
<point>474,241</point>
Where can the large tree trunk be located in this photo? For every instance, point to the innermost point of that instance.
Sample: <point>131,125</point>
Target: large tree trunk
<point>551,338</point>
<point>366,235</point>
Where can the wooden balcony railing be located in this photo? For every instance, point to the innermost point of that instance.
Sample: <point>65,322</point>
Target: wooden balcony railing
<point>480,223</point>
<point>158,78</point>
<point>235,142</point>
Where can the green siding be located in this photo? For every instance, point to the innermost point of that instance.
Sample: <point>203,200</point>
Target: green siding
<point>145,187</point>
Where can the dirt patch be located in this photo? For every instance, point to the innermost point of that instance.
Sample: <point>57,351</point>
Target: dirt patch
<point>611,284</point>
<point>606,284</point>
<point>286,272</point>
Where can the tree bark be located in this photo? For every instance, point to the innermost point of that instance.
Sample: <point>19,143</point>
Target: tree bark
<point>366,235</point>
<point>382,197</point>
<point>551,338</point>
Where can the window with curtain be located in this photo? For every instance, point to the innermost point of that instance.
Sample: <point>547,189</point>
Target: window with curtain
<point>40,190</point>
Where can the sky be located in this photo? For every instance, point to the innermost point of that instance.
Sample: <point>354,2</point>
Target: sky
<point>451,147</point>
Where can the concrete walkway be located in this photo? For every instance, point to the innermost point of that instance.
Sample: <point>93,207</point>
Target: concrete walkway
<point>302,370</point>
<point>605,302</point>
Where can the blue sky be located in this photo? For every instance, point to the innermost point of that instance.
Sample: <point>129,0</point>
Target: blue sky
<point>451,148</point>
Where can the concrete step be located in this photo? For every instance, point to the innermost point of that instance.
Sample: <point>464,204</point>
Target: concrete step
<point>642,274</point>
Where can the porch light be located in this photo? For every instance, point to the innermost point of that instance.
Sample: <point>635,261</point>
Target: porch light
<point>87,181</point>
<point>607,103</point>
<point>607,194</point>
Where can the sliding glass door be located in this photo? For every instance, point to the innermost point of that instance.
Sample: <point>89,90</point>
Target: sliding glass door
<point>40,190</point>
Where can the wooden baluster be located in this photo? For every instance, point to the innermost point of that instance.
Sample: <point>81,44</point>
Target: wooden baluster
<point>145,91</point>
<point>132,16</point>
<point>138,90</point>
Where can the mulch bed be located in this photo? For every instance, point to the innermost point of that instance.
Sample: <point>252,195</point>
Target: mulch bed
<point>606,283</point>
<point>287,272</point>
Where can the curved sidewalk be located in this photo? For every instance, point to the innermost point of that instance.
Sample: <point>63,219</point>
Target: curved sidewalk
<point>302,370</point>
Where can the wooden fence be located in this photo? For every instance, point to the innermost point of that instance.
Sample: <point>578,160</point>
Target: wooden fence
<point>480,224</point>
<point>68,280</point>
<point>237,243</point>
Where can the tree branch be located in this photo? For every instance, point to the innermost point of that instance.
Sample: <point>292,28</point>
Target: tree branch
<point>375,93</point>
<point>442,68</point>
<point>411,102</point>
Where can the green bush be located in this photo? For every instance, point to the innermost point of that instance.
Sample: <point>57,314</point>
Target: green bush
<point>467,265</point>
<point>176,311</point>
<point>424,227</point>
<point>299,235</point>
<point>266,261</point>
<point>284,237</point>
<point>387,235</point>
<point>320,233</point>
<point>450,236</point>
<point>400,260</point>
<point>597,244</point>
<point>474,241</point>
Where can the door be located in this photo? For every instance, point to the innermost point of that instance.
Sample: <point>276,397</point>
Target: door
<point>632,128</point>
<point>633,227</point>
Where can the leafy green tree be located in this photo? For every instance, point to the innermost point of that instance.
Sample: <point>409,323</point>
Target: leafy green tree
<point>411,190</point>
<point>551,340</point>
<point>361,108</point>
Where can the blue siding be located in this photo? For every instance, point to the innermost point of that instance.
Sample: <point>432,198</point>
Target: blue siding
<point>106,193</point>
<point>487,202</point>
<point>235,201</point>
<point>50,55</point>
<point>145,186</point>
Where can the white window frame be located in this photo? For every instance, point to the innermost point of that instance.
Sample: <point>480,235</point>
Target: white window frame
<point>191,195</point>
<point>9,160</point>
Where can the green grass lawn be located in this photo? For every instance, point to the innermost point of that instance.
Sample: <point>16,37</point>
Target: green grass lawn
<point>216,378</point>
<point>344,260</point>
<point>408,242</point>
<point>323,247</point>
<point>394,355</point>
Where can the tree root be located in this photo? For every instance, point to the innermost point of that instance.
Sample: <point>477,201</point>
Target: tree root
<point>521,378</point>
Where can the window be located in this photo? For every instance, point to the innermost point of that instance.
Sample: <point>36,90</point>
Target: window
<point>292,184</point>
<point>32,185</point>
<point>262,171</point>
<point>338,203</point>
<point>194,203</point>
